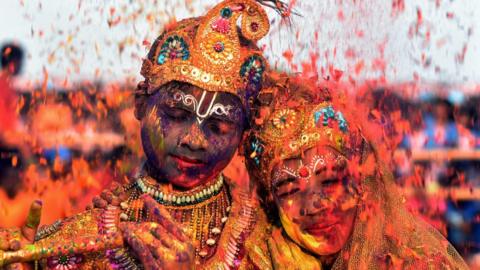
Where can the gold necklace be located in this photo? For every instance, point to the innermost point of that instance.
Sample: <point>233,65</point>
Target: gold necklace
<point>205,216</point>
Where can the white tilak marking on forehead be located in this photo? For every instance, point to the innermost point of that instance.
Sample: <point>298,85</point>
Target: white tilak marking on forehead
<point>318,160</point>
<point>285,170</point>
<point>201,117</point>
<point>312,166</point>
<point>213,108</point>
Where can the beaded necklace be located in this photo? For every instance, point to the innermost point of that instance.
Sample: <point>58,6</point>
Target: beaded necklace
<point>197,195</point>
<point>204,210</point>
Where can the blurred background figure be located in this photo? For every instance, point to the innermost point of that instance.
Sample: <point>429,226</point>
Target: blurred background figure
<point>12,57</point>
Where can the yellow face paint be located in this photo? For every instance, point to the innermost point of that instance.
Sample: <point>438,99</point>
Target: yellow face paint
<point>315,244</point>
<point>290,203</point>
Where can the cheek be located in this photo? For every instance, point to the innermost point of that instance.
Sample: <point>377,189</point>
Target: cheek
<point>173,132</point>
<point>290,207</point>
<point>152,131</point>
<point>222,148</point>
<point>344,229</point>
<point>287,217</point>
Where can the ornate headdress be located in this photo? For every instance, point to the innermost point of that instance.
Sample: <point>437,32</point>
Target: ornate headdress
<point>209,52</point>
<point>297,124</point>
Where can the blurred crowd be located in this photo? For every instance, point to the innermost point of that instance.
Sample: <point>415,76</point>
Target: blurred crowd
<point>65,145</point>
<point>61,145</point>
<point>436,138</point>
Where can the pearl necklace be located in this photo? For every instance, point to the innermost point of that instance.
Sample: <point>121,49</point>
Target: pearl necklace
<point>180,198</point>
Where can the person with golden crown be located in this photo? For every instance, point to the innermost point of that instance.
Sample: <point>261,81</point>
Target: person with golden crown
<point>180,212</point>
<point>330,197</point>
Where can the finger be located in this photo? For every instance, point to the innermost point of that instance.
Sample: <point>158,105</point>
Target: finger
<point>281,244</point>
<point>115,201</point>
<point>163,236</point>
<point>4,245</point>
<point>15,266</point>
<point>99,202</point>
<point>275,254</point>
<point>107,195</point>
<point>139,246</point>
<point>123,197</point>
<point>170,242</point>
<point>161,216</point>
<point>308,262</point>
<point>298,255</point>
<point>15,245</point>
<point>169,257</point>
<point>166,248</point>
<point>33,220</point>
<point>12,239</point>
<point>116,188</point>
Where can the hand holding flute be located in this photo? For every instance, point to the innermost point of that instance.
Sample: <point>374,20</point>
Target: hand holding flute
<point>157,244</point>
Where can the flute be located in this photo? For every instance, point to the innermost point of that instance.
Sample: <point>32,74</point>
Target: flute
<point>88,232</point>
<point>43,250</point>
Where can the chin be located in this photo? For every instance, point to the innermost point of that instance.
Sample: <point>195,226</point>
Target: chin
<point>327,244</point>
<point>329,249</point>
<point>330,246</point>
<point>185,182</point>
<point>326,247</point>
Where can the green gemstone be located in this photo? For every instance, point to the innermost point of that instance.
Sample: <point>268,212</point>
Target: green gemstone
<point>226,13</point>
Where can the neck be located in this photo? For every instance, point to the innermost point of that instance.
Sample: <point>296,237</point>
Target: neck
<point>328,260</point>
<point>154,174</point>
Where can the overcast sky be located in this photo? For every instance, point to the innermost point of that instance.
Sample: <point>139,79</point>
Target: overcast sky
<point>433,40</point>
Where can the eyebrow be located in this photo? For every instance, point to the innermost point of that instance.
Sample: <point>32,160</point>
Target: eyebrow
<point>283,182</point>
<point>223,118</point>
<point>297,157</point>
<point>173,104</point>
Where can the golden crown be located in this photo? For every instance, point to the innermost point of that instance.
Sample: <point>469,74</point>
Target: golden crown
<point>289,130</point>
<point>209,52</point>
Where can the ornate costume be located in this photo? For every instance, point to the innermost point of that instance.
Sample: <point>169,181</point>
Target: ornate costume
<point>385,235</point>
<point>214,54</point>
<point>220,223</point>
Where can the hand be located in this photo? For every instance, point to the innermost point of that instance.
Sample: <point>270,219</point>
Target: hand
<point>288,255</point>
<point>13,239</point>
<point>160,244</point>
<point>114,195</point>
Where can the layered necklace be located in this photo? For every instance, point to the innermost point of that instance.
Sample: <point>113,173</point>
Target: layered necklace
<point>204,210</point>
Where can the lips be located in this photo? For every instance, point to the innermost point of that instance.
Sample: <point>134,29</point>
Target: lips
<point>319,229</point>
<point>187,162</point>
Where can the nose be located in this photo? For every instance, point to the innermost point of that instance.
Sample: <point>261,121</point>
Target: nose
<point>194,139</point>
<point>317,203</point>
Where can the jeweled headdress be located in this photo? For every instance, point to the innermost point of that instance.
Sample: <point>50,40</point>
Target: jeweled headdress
<point>210,51</point>
<point>297,124</point>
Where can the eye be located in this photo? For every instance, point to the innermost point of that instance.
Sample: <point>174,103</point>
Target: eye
<point>177,114</point>
<point>319,171</point>
<point>330,182</point>
<point>219,127</point>
<point>286,194</point>
<point>286,187</point>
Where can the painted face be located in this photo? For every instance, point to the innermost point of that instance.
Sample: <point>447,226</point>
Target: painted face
<point>316,199</point>
<point>189,135</point>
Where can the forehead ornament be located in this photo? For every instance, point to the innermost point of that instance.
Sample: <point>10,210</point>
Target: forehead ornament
<point>213,108</point>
